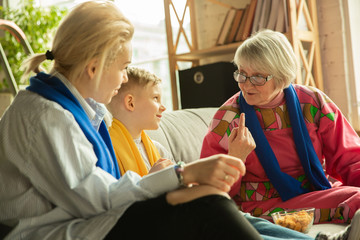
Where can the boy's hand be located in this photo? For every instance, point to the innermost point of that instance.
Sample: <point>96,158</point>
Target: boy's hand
<point>160,164</point>
<point>241,142</point>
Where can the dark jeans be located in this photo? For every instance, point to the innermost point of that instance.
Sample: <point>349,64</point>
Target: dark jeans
<point>210,217</point>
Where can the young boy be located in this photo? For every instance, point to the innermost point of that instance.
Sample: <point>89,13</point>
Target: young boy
<point>137,107</point>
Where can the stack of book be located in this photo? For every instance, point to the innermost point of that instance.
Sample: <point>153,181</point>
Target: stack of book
<point>239,24</point>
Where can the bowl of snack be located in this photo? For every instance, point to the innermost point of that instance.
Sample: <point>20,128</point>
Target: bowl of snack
<point>300,220</point>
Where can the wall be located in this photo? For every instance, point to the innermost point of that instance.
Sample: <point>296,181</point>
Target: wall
<point>337,55</point>
<point>332,45</point>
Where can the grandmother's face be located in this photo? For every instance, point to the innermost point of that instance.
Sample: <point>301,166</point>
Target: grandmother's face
<point>258,95</point>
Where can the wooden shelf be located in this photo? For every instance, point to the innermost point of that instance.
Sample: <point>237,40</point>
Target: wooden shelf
<point>221,49</point>
<point>208,52</point>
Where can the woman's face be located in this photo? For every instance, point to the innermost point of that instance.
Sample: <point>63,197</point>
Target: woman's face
<point>114,75</point>
<point>257,95</point>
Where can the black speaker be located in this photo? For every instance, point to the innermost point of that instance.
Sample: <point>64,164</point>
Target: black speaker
<point>208,85</point>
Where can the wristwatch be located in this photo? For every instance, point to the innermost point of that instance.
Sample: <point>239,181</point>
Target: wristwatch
<point>179,169</point>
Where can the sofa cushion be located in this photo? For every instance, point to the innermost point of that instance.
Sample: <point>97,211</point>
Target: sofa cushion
<point>182,132</point>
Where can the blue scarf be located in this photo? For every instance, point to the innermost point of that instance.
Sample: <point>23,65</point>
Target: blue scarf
<point>53,89</point>
<point>287,186</point>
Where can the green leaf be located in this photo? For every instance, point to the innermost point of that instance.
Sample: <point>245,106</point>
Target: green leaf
<point>38,24</point>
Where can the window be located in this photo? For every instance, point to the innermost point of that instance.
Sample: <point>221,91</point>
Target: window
<point>149,41</point>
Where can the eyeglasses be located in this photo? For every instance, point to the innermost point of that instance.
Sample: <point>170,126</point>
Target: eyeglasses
<point>255,80</point>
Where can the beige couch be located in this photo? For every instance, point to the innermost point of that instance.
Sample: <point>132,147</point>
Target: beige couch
<point>182,132</point>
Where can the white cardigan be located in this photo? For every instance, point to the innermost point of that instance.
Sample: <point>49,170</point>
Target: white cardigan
<point>50,185</point>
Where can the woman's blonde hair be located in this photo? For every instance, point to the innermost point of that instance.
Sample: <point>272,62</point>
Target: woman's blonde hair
<point>92,30</point>
<point>269,52</point>
<point>137,78</point>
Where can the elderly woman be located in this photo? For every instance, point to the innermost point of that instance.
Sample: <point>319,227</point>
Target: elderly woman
<point>301,137</point>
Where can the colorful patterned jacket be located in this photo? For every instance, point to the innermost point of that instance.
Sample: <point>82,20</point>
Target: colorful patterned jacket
<point>335,141</point>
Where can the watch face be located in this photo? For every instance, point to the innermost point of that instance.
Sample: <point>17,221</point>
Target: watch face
<point>198,77</point>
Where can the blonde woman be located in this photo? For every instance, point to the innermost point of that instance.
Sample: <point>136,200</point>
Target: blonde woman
<point>58,173</point>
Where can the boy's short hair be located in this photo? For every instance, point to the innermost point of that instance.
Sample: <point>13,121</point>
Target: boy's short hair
<point>138,77</point>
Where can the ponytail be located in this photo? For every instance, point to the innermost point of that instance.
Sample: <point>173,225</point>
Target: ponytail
<point>32,64</point>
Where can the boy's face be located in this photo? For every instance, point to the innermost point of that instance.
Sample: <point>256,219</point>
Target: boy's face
<point>148,106</point>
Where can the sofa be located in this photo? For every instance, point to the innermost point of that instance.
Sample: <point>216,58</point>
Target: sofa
<point>182,131</point>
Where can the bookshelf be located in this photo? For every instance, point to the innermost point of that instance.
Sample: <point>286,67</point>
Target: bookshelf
<point>302,33</point>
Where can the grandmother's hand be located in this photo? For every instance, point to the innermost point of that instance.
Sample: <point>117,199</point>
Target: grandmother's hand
<point>241,143</point>
<point>219,171</point>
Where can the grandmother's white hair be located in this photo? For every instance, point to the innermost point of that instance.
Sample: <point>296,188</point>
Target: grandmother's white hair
<point>269,52</point>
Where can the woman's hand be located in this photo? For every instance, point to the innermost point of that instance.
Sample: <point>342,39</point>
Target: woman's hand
<point>241,143</point>
<point>184,195</point>
<point>219,171</point>
<point>160,164</point>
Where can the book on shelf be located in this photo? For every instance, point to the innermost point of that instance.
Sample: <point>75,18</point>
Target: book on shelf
<point>282,18</point>
<point>242,24</point>
<point>235,25</point>
<point>286,16</point>
<point>257,16</point>
<point>225,29</point>
<point>274,11</point>
<point>280,21</point>
<point>239,24</point>
<point>249,20</point>
<point>270,14</point>
<point>265,13</point>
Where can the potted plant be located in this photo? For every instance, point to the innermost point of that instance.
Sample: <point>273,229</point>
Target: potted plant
<point>38,24</point>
